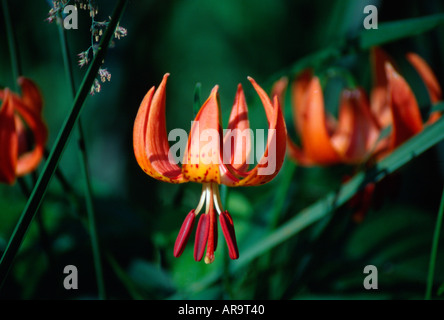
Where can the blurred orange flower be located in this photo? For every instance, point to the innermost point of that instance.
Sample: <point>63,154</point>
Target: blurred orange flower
<point>356,136</point>
<point>393,101</point>
<point>324,139</point>
<point>23,133</point>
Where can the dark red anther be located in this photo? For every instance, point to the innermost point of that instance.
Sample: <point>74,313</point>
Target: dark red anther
<point>203,229</point>
<point>227,225</point>
<point>184,234</point>
<point>212,236</point>
<point>215,231</point>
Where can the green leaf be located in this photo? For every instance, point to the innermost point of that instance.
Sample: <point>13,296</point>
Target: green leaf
<point>438,107</point>
<point>392,31</point>
<point>434,251</point>
<point>129,284</point>
<point>151,278</point>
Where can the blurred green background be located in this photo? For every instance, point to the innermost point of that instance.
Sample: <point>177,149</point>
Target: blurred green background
<point>212,42</point>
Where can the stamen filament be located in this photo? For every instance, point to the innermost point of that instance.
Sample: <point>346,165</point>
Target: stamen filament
<point>202,198</point>
<point>217,200</point>
<point>208,197</point>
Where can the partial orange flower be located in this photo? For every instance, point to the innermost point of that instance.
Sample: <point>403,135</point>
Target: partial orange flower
<point>394,104</point>
<point>393,101</point>
<point>210,158</point>
<point>23,133</point>
<point>325,140</point>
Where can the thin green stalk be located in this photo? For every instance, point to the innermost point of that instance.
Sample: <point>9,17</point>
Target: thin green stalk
<point>40,188</point>
<point>91,216</point>
<point>44,236</point>
<point>12,44</point>
<point>127,282</point>
<point>434,251</point>
<point>84,167</point>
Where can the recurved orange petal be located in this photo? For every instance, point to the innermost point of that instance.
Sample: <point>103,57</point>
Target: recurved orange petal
<point>29,160</point>
<point>315,136</point>
<point>279,88</point>
<point>31,96</point>
<point>300,93</point>
<point>406,116</point>
<point>203,152</point>
<point>237,139</point>
<point>150,141</point>
<point>273,157</point>
<point>378,95</point>
<point>357,130</point>
<point>427,75</point>
<point>430,81</point>
<point>299,88</point>
<point>8,140</point>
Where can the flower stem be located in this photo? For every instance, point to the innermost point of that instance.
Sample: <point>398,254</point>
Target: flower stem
<point>12,45</point>
<point>434,250</point>
<point>40,188</point>
<point>84,167</point>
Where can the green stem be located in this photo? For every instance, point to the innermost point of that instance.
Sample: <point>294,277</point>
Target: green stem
<point>91,216</point>
<point>12,45</point>
<point>40,188</point>
<point>44,236</point>
<point>84,166</point>
<point>434,249</point>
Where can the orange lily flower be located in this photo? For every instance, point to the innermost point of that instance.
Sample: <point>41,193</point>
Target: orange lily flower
<point>325,141</point>
<point>19,154</point>
<point>393,101</point>
<point>208,161</point>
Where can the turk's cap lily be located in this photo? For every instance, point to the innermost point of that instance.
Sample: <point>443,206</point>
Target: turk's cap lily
<point>393,101</point>
<point>383,75</point>
<point>394,104</point>
<point>211,158</point>
<point>21,152</point>
<point>323,139</point>
<point>151,146</point>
